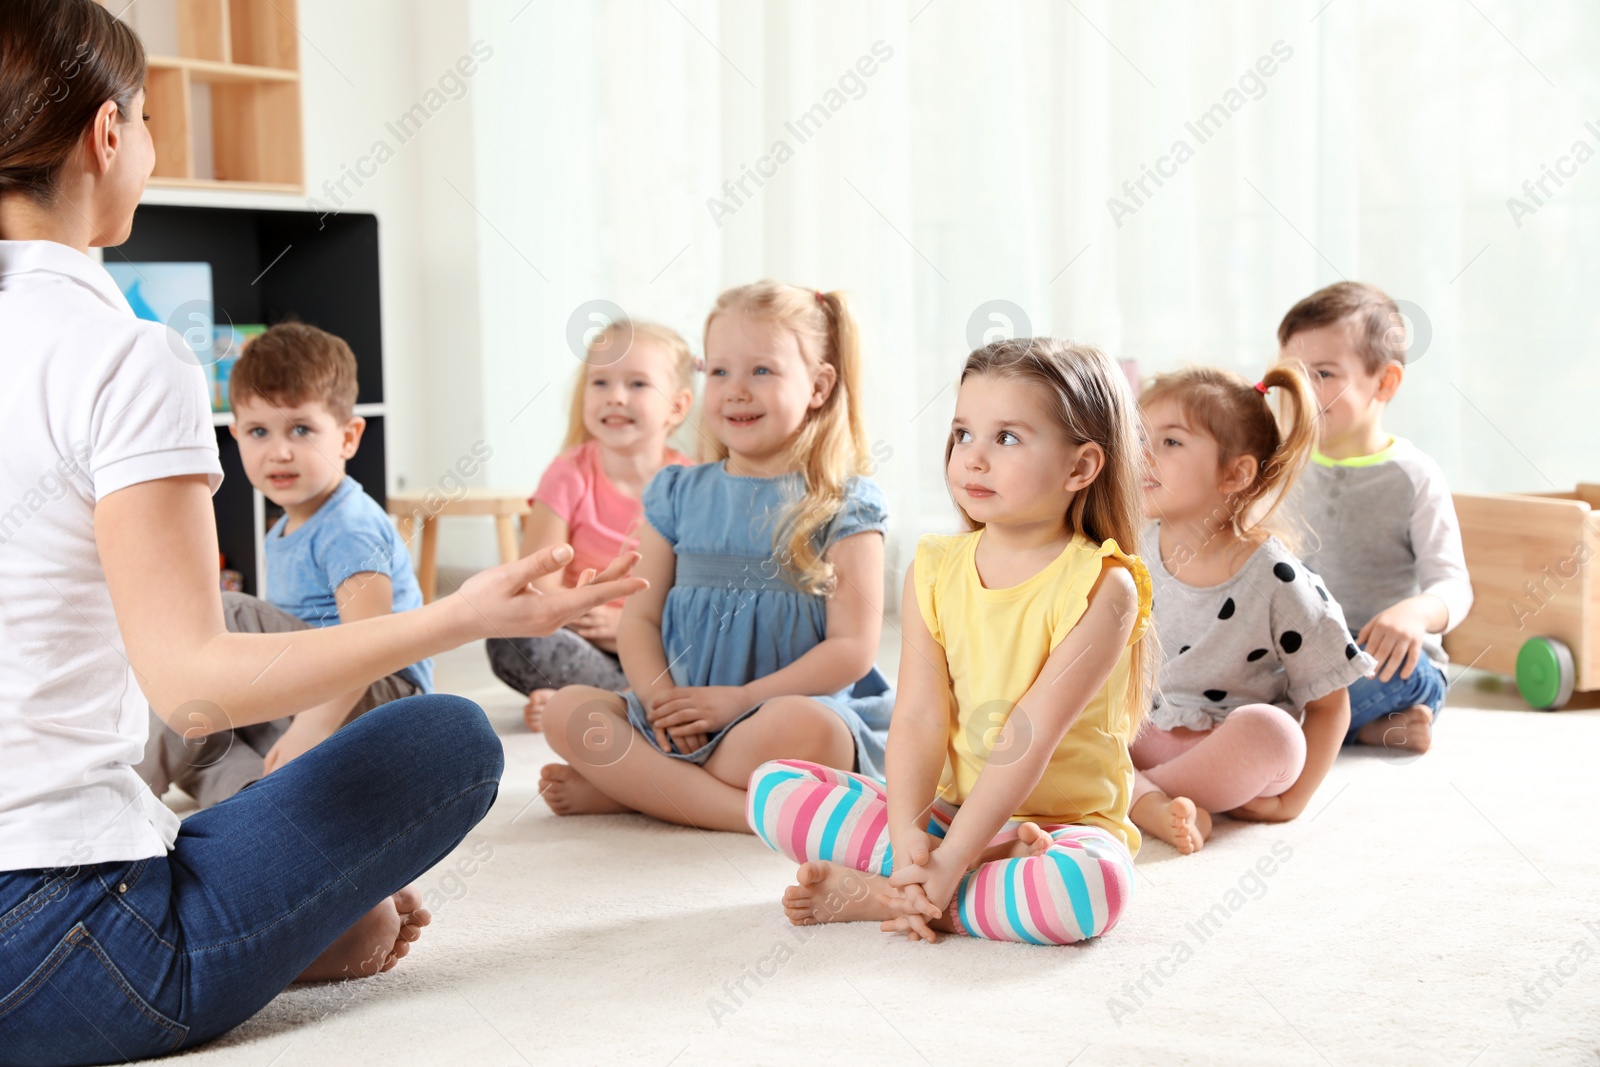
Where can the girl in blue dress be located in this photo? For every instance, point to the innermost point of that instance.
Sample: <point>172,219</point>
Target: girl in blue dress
<point>757,637</point>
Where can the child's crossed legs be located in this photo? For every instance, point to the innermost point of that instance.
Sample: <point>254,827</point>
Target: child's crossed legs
<point>610,768</point>
<point>1049,886</point>
<point>1183,775</point>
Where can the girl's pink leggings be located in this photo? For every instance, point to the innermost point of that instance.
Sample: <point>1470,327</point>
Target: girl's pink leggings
<point>1257,751</point>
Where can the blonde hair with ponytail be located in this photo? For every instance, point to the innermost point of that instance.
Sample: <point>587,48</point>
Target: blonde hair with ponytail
<point>831,446</point>
<point>1240,418</point>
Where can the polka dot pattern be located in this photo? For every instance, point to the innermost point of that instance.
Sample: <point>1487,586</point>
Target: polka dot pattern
<point>1270,635</point>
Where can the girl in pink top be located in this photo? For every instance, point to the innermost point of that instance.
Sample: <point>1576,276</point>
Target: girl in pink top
<point>635,390</point>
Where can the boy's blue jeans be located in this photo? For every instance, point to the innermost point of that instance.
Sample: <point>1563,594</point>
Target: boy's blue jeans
<point>1371,699</point>
<point>122,961</point>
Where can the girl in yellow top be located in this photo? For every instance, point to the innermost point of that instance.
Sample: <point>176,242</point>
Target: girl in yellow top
<point>1023,678</point>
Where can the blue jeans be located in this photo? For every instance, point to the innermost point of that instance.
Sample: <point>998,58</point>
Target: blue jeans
<point>1371,699</point>
<point>127,960</point>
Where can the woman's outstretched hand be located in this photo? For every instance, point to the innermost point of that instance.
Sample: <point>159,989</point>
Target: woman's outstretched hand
<point>503,602</point>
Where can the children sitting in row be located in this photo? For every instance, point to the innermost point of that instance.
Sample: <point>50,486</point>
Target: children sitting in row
<point>333,557</point>
<point>1017,799</point>
<point>745,672</point>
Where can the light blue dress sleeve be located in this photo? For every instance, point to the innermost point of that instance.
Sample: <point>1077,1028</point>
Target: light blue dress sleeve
<point>660,502</point>
<point>865,510</point>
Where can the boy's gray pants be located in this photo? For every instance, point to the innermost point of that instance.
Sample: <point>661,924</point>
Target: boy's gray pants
<point>213,767</point>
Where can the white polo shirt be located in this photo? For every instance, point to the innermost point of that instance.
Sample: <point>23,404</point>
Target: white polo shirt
<point>92,400</point>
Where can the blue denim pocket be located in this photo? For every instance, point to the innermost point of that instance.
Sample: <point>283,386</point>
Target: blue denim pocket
<point>32,891</point>
<point>76,1007</point>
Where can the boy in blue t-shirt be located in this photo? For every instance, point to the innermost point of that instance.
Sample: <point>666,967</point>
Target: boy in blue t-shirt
<point>333,557</point>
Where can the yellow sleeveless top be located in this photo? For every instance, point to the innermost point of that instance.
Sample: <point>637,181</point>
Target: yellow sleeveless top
<point>996,642</point>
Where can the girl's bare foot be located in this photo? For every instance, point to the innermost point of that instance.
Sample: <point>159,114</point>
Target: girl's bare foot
<point>1031,840</point>
<point>1174,820</point>
<point>570,793</point>
<point>533,712</point>
<point>833,893</point>
<point>377,941</point>
<point>1409,729</point>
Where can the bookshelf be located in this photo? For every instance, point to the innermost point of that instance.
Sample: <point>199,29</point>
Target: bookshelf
<point>223,92</point>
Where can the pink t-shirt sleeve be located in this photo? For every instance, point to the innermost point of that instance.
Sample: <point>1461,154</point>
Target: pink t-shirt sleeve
<point>562,488</point>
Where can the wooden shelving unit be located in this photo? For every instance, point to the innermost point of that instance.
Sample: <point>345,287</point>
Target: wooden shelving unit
<point>225,108</point>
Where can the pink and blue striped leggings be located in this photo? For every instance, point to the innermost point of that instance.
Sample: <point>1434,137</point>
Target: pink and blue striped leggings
<point>1075,891</point>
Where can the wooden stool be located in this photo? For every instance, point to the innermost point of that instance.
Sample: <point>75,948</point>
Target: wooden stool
<point>407,508</point>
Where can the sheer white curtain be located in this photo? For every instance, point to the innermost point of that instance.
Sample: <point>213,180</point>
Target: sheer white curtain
<point>977,162</point>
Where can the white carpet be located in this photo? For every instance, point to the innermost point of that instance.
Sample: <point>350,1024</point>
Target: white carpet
<point>1419,908</point>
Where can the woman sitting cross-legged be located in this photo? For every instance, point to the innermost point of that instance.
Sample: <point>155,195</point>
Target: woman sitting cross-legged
<point>123,934</point>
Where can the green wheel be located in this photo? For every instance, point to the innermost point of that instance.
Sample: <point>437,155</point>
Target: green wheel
<point>1545,673</point>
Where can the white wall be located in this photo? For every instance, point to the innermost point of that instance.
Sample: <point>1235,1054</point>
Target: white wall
<point>1380,141</point>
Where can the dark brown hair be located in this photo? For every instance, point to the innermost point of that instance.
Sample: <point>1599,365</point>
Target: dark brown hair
<point>60,60</point>
<point>1227,408</point>
<point>293,363</point>
<point>1369,314</point>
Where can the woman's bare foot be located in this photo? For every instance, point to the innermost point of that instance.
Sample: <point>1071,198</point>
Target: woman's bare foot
<point>533,711</point>
<point>1409,729</point>
<point>1174,820</point>
<point>570,793</point>
<point>377,941</point>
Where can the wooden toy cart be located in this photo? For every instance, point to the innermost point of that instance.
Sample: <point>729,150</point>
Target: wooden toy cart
<point>1535,567</point>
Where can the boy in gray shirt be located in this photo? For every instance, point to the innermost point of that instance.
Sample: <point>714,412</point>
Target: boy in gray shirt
<point>1387,542</point>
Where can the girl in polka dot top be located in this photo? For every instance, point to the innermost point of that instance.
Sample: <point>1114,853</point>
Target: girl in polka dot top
<point>1251,706</point>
